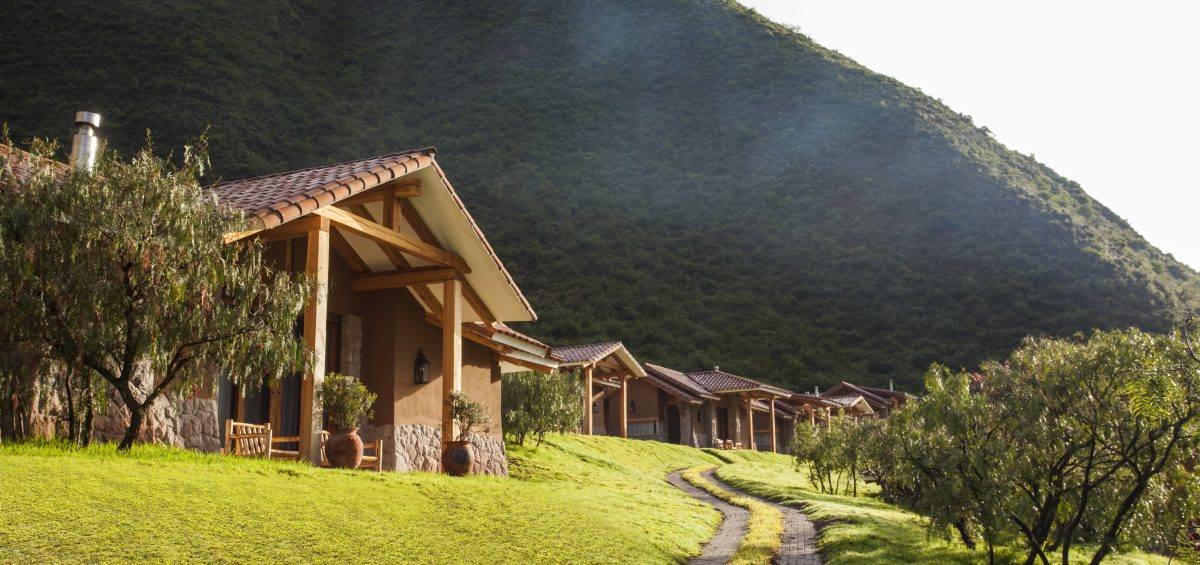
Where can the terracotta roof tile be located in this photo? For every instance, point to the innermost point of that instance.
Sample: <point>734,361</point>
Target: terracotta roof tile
<point>678,379</point>
<point>586,353</point>
<point>720,381</point>
<point>671,388</point>
<point>282,197</point>
<point>18,161</point>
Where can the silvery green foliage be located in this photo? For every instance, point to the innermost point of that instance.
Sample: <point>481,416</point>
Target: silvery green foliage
<point>125,270</point>
<point>1066,441</point>
<point>534,404</point>
<point>346,400</point>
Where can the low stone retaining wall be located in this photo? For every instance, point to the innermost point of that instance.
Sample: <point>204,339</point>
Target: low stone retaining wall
<point>417,447</point>
<point>181,422</point>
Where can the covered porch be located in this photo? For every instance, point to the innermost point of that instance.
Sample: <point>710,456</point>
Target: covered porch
<point>734,414</point>
<point>606,370</point>
<point>412,301</point>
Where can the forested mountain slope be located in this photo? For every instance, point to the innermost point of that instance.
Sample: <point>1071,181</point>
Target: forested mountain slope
<point>682,175</point>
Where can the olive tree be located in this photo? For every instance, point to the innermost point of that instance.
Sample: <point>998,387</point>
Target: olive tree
<point>533,404</point>
<point>1067,440</point>
<point>124,271</point>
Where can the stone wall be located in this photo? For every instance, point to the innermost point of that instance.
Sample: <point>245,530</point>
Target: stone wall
<point>181,422</point>
<point>417,447</point>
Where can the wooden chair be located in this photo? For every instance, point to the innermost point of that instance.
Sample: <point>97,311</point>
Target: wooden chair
<point>247,440</point>
<point>256,440</point>
<point>372,462</point>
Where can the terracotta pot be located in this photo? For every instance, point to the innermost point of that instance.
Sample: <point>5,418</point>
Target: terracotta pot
<point>458,458</point>
<point>344,449</point>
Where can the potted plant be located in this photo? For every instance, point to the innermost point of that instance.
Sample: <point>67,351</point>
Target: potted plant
<point>347,403</point>
<point>458,458</point>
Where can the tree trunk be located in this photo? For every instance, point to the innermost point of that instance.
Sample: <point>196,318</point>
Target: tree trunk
<point>965,533</point>
<point>137,417</point>
<point>89,404</point>
<point>72,429</point>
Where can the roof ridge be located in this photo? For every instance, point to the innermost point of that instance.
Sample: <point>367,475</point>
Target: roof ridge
<point>427,150</point>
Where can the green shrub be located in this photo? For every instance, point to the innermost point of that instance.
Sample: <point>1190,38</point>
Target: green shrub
<point>469,415</point>
<point>347,401</point>
<point>534,404</point>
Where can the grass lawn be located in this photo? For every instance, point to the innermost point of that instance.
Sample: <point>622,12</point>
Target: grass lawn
<point>864,530</point>
<point>574,500</point>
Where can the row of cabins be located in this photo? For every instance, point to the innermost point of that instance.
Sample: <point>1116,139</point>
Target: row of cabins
<point>415,301</point>
<point>706,408</point>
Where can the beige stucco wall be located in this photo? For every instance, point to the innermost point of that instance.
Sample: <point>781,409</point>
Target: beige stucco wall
<point>393,329</point>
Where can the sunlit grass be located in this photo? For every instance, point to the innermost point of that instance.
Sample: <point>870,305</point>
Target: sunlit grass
<point>865,530</point>
<point>574,500</point>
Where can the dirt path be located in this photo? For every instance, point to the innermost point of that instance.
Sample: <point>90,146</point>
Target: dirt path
<point>720,549</point>
<point>799,545</point>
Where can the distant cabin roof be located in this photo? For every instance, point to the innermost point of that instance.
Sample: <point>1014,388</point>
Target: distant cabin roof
<point>719,381</point>
<point>586,353</point>
<point>608,358</point>
<point>679,380</point>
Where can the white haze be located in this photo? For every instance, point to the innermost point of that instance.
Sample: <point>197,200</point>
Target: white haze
<point>1105,93</point>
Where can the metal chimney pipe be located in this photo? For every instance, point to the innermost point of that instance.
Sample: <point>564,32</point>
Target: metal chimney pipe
<point>85,143</point>
<point>891,385</point>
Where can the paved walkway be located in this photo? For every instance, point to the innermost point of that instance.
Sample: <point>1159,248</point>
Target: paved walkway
<point>799,545</point>
<point>720,549</point>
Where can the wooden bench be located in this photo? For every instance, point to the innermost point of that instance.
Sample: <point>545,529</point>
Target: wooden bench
<point>372,462</point>
<point>256,440</point>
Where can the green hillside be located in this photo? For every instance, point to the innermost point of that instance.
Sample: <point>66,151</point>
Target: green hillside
<point>678,174</point>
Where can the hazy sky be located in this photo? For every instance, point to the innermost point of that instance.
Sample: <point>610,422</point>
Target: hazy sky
<point>1105,93</point>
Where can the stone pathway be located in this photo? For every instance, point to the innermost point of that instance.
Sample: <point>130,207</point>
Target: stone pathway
<point>720,549</point>
<point>799,544</point>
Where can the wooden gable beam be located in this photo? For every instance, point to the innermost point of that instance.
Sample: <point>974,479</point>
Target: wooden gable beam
<point>403,278</point>
<point>347,252</point>
<point>422,292</point>
<point>419,226</point>
<point>380,234</point>
<point>299,227</point>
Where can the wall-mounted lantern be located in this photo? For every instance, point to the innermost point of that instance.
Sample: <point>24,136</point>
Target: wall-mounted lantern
<point>595,408</point>
<point>421,368</point>
<point>632,407</point>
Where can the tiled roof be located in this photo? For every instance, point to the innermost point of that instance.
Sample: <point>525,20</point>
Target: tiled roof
<point>501,327</point>
<point>487,330</point>
<point>720,381</point>
<point>843,400</point>
<point>18,161</point>
<point>282,197</point>
<point>898,395</point>
<point>678,379</point>
<point>671,388</point>
<point>586,353</point>
<point>840,388</point>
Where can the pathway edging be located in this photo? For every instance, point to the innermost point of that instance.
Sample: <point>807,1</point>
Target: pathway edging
<point>799,544</point>
<point>720,549</point>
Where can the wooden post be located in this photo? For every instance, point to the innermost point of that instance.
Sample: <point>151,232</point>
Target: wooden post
<point>587,401</point>
<point>750,421</point>
<point>451,351</point>
<point>624,406</point>
<point>317,266</point>
<point>812,416</point>
<point>774,440</point>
